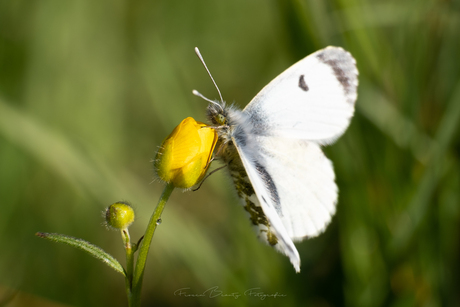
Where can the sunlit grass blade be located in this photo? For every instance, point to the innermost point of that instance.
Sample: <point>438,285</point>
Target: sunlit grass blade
<point>402,130</point>
<point>418,207</point>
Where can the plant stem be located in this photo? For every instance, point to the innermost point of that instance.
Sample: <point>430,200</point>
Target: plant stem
<point>129,263</point>
<point>136,286</point>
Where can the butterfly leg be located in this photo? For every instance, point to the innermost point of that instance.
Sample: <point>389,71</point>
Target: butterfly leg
<point>217,169</point>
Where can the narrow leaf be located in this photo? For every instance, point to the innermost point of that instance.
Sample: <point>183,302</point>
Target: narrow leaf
<point>91,249</point>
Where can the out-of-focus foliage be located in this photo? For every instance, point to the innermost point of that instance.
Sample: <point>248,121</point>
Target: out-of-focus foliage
<point>89,89</point>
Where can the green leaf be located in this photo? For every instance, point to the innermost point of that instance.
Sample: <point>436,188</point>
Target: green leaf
<point>91,249</point>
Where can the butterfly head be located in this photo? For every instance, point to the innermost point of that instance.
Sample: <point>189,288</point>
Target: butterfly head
<point>217,114</point>
<point>221,118</point>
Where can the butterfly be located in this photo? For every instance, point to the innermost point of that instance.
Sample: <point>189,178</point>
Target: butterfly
<point>272,148</point>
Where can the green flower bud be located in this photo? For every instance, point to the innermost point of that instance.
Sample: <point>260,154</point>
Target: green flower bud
<point>119,215</point>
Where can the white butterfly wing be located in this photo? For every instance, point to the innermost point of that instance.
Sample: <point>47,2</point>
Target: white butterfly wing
<point>268,200</point>
<point>295,187</point>
<point>294,184</point>
<point>278,137</point>
<point>312,100</point>
<point>304,180</point>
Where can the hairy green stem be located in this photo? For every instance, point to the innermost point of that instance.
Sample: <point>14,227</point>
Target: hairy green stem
<point>129,263</point>
<point>136,286</point>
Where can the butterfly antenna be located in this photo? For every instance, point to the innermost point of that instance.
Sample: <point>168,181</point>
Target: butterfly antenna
<point>196,93</point>
<point>197,51</point>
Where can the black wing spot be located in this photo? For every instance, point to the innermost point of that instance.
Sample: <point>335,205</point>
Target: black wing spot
<point>302,83</point>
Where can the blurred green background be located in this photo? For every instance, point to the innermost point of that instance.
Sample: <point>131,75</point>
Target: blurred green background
<point>88,90</point>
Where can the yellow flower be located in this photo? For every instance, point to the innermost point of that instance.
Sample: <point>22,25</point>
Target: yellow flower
<point>184,155</point>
